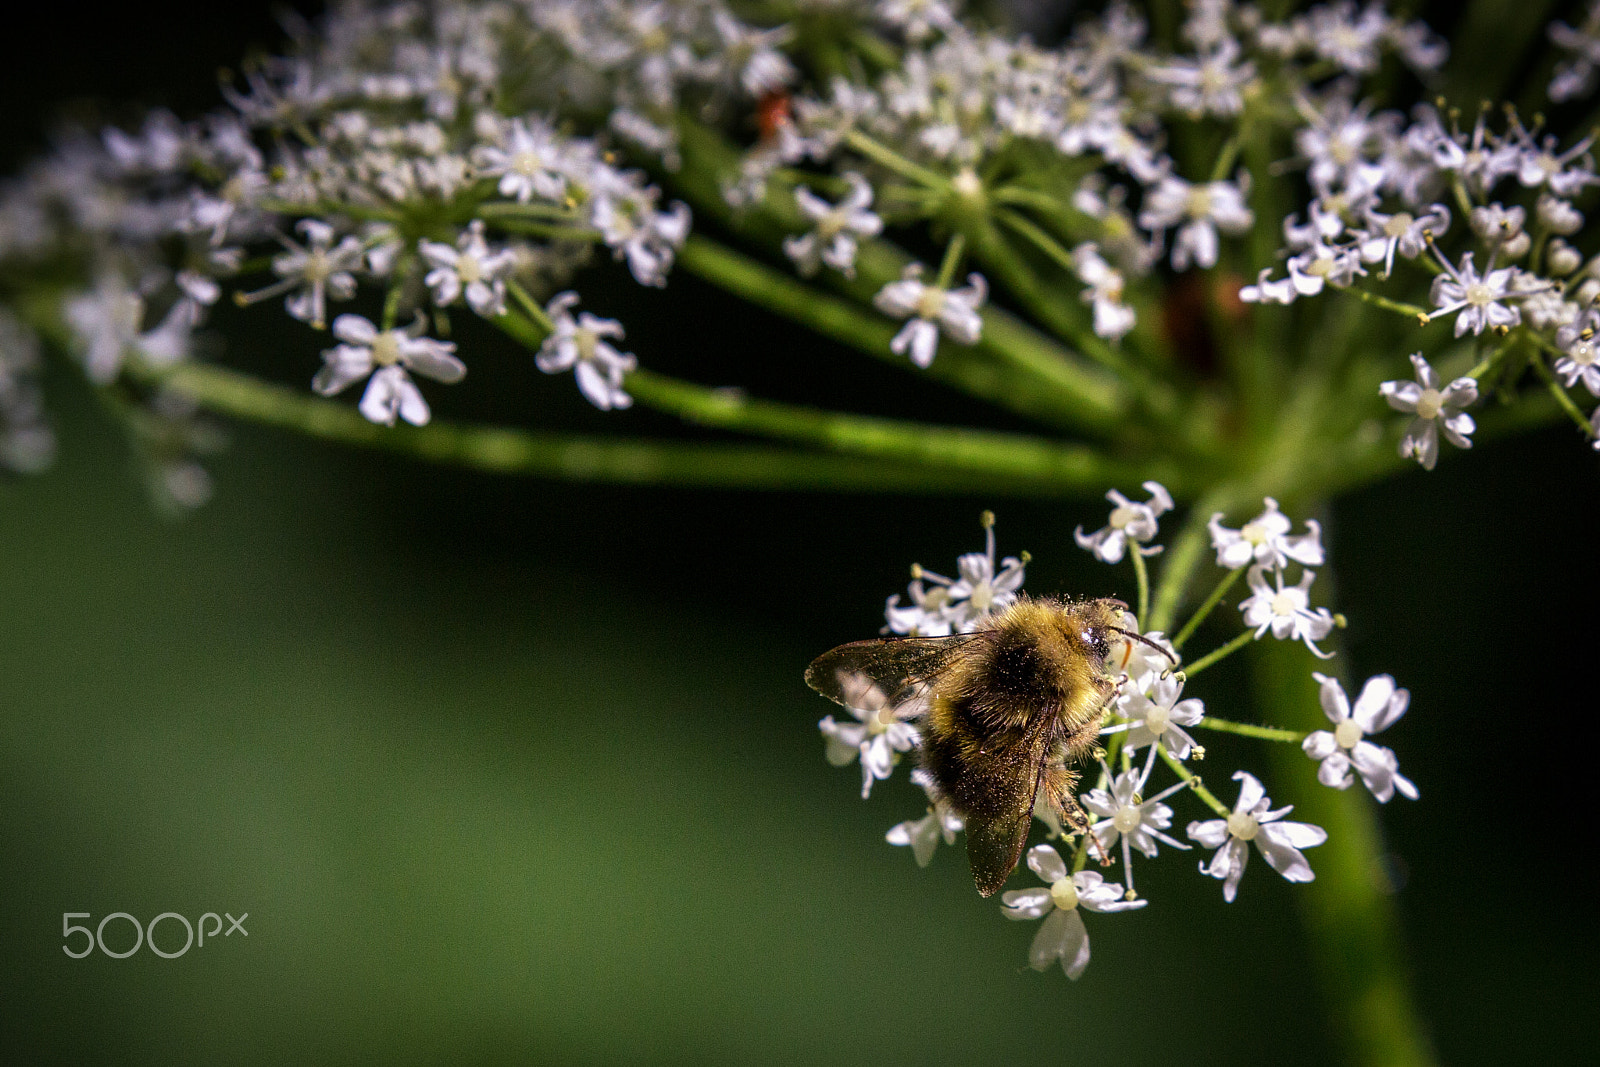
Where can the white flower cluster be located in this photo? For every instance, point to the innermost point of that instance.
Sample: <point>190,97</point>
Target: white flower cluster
<point>963,105</point>
<point>1379,182</point>
<point>1148,711</point>
<point>422,153</point>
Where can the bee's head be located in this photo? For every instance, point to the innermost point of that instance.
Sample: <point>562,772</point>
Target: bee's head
<point>1098,623</point>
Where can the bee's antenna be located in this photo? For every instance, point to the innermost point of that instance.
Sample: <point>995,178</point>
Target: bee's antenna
<point>1142,639</point>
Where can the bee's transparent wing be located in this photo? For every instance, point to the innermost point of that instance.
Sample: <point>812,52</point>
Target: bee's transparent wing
<point>898,666</point>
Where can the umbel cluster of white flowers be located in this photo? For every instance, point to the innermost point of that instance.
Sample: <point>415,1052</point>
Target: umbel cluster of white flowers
<point>470,153</point>
<point>1148,720</point>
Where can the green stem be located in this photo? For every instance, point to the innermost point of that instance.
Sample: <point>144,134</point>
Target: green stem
<point>894,161</point>
<point>1205,609</point>
<point>1200,790</point>
<point>1559,394</point>
<point>1183,555</point>
<point>952,260</point>
<point>1245,729</point>
<point>1409,310</point>
<point>1350,920</point>
<point>567,457</point>
<point>1222,653</point>
<point>1142,576</point>
<point>529,306</point>
<point>1051,467</point>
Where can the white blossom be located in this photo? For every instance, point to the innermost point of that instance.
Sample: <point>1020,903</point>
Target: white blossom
<point>1063,936</point>
<point>1265,540</point>
<point>932,310</point>
<point>579,345</point>
<point>1476,298</point>
<point>1198,211</point>
<point>315,271</point>
<point>1346,748</point>
<point>1130,522</point>
<point>470,268</point>
<point>962,604</point>
<point>383,357</point>
<point>1156,714</point>
<point>1286,612</point>
<point>833,241</point>
<point>1580,360</point>
<point>1279,842</point>
<point>879,735</point>
<point>923,834</point>
<point>1434,409</point>
<point>529,163</point>
<point>1125,814</point>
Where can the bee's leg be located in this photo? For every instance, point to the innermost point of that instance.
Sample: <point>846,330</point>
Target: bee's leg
<point>1084,739</point>
<point>1060,788</point>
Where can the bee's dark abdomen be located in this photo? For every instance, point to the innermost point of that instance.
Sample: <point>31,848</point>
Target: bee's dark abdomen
<point>979,766</point>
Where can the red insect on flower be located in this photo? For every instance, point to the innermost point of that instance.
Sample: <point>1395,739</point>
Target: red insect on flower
<point>774,111</point>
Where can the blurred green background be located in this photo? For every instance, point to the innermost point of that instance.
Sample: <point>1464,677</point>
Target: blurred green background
<point>512,771</point>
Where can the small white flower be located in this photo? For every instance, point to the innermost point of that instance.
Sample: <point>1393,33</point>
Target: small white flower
<point>1582,352</point>
<point>1265,540</point>
<point>648,239</point>
<point>471,268</point>
<point>878,736</point>
<point>923,834</point>
<point>1159,716</point>
<point>530,163</point>
<point>1129,522</point>
<point>932,310</point>
<point>961,604</point>
<point>1139,823</point>
<point>1345,746</point>
<point>1112,318</point>
<point>105,322</point>
<point>386,355</point>
<point>1063,936</point>
<point>1476,297</point>
<point>752,55</point>
<point>1198,211</point>
<point>1434,408</point>
<point>318,270</point>
<point>1401,232</point>
<point>833,241</point>
<point>1280,842</point>
<point>579,345</point>
<point>1264,291</point>
<point>981,591</point>
<point>1286,612</point>
<point>929,614</point>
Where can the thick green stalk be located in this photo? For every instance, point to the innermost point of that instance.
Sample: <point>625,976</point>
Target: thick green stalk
<point>573,457</point>
<point>1050,465</point>
<point>1349,918</point>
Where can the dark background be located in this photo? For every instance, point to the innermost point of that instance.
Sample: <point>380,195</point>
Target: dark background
<point>510,770</point>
